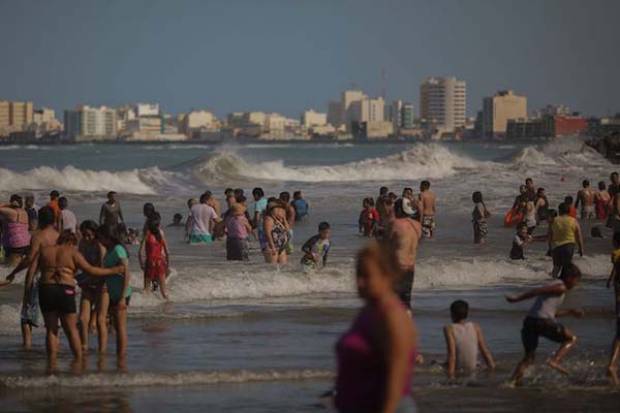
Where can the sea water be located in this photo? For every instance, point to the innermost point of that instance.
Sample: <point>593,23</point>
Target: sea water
<point>255,338</point>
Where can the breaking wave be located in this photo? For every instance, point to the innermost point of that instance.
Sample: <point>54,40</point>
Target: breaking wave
<point>69,178</point>
<point>422,161</point>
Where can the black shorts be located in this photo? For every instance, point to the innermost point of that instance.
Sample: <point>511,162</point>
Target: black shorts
<point>617,328</point>
<point>536,327</point>
<point>19,251</point>
<point>403,287</point>
<point>563,255</point>
<point>57,298</point>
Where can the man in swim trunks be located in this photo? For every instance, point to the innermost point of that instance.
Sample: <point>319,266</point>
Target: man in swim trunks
<point>404,235</point>
<point>111,215</point>
<point>585,197</point>
<point>427,209</point>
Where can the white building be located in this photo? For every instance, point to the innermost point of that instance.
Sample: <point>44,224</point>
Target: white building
<point>44,120</point>
<point>146,109</point>
<point>497,110</point>
<point>91,123</point>
<point>367,110</point>
<point>443,102</point>
<point>199,120</point>
<point>310,118</point>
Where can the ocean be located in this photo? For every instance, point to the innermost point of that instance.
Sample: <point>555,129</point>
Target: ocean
<point>249,337</point>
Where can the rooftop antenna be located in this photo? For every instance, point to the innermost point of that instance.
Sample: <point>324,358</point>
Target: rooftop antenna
<point>383,83</point>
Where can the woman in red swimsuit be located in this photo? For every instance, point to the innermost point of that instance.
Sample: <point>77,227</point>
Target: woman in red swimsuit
<point>156,260</point>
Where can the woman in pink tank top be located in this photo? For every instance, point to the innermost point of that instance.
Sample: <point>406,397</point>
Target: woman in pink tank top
<point>376,356</point>
<point>16,237</point>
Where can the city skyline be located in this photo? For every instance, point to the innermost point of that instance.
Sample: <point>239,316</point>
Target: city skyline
<point>276,56</point>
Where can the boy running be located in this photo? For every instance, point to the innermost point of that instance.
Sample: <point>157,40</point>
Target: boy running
<point>541,321</point>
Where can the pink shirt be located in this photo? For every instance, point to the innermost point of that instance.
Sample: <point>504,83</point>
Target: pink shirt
<point>236,227</point>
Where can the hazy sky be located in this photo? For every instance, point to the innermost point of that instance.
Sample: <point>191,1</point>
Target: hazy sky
<point>285,56</point>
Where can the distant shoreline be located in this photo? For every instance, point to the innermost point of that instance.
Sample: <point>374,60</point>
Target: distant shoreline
<point>272,142</point>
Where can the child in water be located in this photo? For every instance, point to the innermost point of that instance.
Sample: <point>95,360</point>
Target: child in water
<point>541,321</point>
<point>369,218</point>
<point>316,249</point>
<point>614,279</point>
<point>464,341</point>
<point>479,218</point>
<point>521,240</point>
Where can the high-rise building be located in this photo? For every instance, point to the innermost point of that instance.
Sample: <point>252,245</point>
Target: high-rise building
<point>367,110</point>
<point>15,116</point>
<point>499,109</point>
<point>443,102</point>
<point>88,123</point>
<point>198,119</point>
<point>407,115</point>
<point>335,114</point>
<point>146,109</point>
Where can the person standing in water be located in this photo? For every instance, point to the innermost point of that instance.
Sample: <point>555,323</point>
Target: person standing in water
<point>202,222</point>
<point>275,233</point>
<point>31,210</point>
<point>15,231</point>
<point>116,293</point>
<point>291,214</point>
<point>541,321</point>
<point>376,356</point>
<point>238,229</point>
<point>68,221</point>
<point>301,206</point>
<point>91,286</point>
<point>111,215</point>
<point>585,197</point>
<point>316,249</point>
<point>58,265</point>
<point>542,205</point>
<point>464,341</point>
<point>404,235</point>
<point>614,279</point>
<point>601,201</point>
<point>154,256</point>
<point>53,203</point>
<point>565,234</point>
<point>428,202</point>
<point>479,218</point>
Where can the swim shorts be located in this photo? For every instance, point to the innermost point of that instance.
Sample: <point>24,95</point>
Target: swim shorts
<point>537,327</point>
<point>403,287</point>
<point>428,226</point>
<point>57,298</point>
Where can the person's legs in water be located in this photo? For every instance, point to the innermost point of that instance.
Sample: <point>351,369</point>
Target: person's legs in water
<point>282,257</point>
<point>162,286</point>
<point>103,304</point>
<point>26,335</point>
<point>120,325</point>
<point>69,326</point>
<point>51,335</point>
<point>86,301</point>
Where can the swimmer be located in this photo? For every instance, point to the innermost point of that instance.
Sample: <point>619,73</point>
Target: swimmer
<point>585,198</point>
<point>601,201</point>
<point>317,248</point>
<point>541,321</point>
<point>177,221</point>
<point>565,234</point>
<point>464,342</point>
<point>111,214</point>
<point>428,208</point>
<point>479,218</point>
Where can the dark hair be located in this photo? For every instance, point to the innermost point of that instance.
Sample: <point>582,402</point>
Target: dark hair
<point>398,209</point>
<point>585,183</point>
<point>89,225</point>
<point>297,195</point>
<point>383,190</point>
<point>148,210</point>
<point>407,189</point>
<point>539,190</point>
<point>63,202</point>
<point>105,232</point>
<point>568,200</point>
<point>67,237</point>
<point>228,191</point>
<point>285,196</point>
<point>54,194</point>
<point>476,197</point>
<point>563,208</point>
<point>17,199</point>
<point>613,174</point>
<point>238,192</point>
<point>205,197</point>
<point>46,217</point>
<point>152,225</point>
<point>324,225</point>
<point>552,213</point>
<point>371,201</point>
<point>177,217</point>
<point>111,193</point>
<point>258,192</point>
<point>528,180</point>
<point>241,199</point>
<point>459,310</point>
<point>425,184</point>
<point>570,271</point>
<point>521,225</point>
<point>602,186</point>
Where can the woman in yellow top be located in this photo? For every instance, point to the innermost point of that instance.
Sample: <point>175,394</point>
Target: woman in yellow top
<point>565,233</point>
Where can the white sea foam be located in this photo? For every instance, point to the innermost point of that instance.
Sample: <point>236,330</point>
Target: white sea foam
<point>161,379</point>
<point>422,161</point>
<point>69,178</point>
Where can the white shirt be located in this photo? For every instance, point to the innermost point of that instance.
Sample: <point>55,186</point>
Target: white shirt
<point>202,214</point>
<point>69,221</point>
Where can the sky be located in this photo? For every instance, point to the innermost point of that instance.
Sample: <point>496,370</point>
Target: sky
<point>287,56</point>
